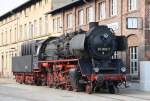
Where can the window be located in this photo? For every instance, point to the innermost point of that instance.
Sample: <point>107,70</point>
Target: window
<point>46,24</point>
<point>6,20</point>
<point>102,10</point>
<point>40,25</point>
<point>30,30</point>
<point>6,60</point>
<point>20,32</point>
<point>46,1</point>
<point>69,21</point>
<point>15,34</point>
<point>2,38</point>
<point>35,27</point>
<point>90,14</point>
<point>25,12</point>
<point>30,8</point>
<point>132,23</point>
<point>81,17</point>
<point>133,60</point>
<point>132,5</point>
<point>59,24</point>
<point>113,7</point>
<point>6,36</point>
<point>54,25</point>
<point>34,6</point>
<point>25,31</point>
<point>40,3</point>
<point>10,36</point>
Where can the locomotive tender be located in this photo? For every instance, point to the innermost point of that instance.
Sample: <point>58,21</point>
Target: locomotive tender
<point>80,61</point>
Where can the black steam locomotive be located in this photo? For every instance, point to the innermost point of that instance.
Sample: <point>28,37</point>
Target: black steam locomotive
<point>80,61</point>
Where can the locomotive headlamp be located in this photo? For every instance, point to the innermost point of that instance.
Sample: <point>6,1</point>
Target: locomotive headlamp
<point>123,69</point>
<point>96,69</point>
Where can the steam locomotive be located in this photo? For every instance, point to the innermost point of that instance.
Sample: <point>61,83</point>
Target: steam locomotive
<point>79,61</point>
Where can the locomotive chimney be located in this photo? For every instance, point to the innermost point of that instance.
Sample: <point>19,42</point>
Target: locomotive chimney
<point>93,24</point>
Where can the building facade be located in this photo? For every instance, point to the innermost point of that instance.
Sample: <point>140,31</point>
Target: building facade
<point>27,22</point>
<point>38,19</point>
<point>125,17</point>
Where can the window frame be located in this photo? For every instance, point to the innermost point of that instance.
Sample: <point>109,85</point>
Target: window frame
<point>15,34</point>
<point>40,3</point>
<point>46,1</point>
<point>6,37</point>
<point>99,12</point>
<point>10,32</point>
<point>35,27</point>
<point>25,31</point>
<point>133,55</point>
<point>40,26</point>
<point>59,24</point>
<point>54,25</point>
<point>30,32</point>
<point>46,24</point>
<point>132,25</point>
<point>20,32</point>
<point>80,17</point>
<point>129,5</point>
<point>88,14</point>
<point>69,21</point>
<point>111,8</point>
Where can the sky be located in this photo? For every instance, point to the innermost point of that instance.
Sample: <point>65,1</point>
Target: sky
<point>8,5</point>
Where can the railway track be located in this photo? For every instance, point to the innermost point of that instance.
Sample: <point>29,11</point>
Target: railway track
<point>22,93</point>
<point>123,97</point>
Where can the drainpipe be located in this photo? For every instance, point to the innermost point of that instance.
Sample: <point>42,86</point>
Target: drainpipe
<point>63,20</point>
<point>121,26</point>
<point>75,15</point>
<point>121,29</point>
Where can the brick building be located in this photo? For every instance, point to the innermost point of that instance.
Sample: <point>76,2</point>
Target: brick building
<point>126,17</point>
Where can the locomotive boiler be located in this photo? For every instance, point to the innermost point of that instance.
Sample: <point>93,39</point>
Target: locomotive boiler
<point>80,61</point>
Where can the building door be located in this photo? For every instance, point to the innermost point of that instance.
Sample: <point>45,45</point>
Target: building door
<point>134,61</point>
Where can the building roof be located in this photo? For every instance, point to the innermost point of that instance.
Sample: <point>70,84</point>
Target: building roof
<point>60,3</point>
<point>67,6</point>
<point>19,8</point>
